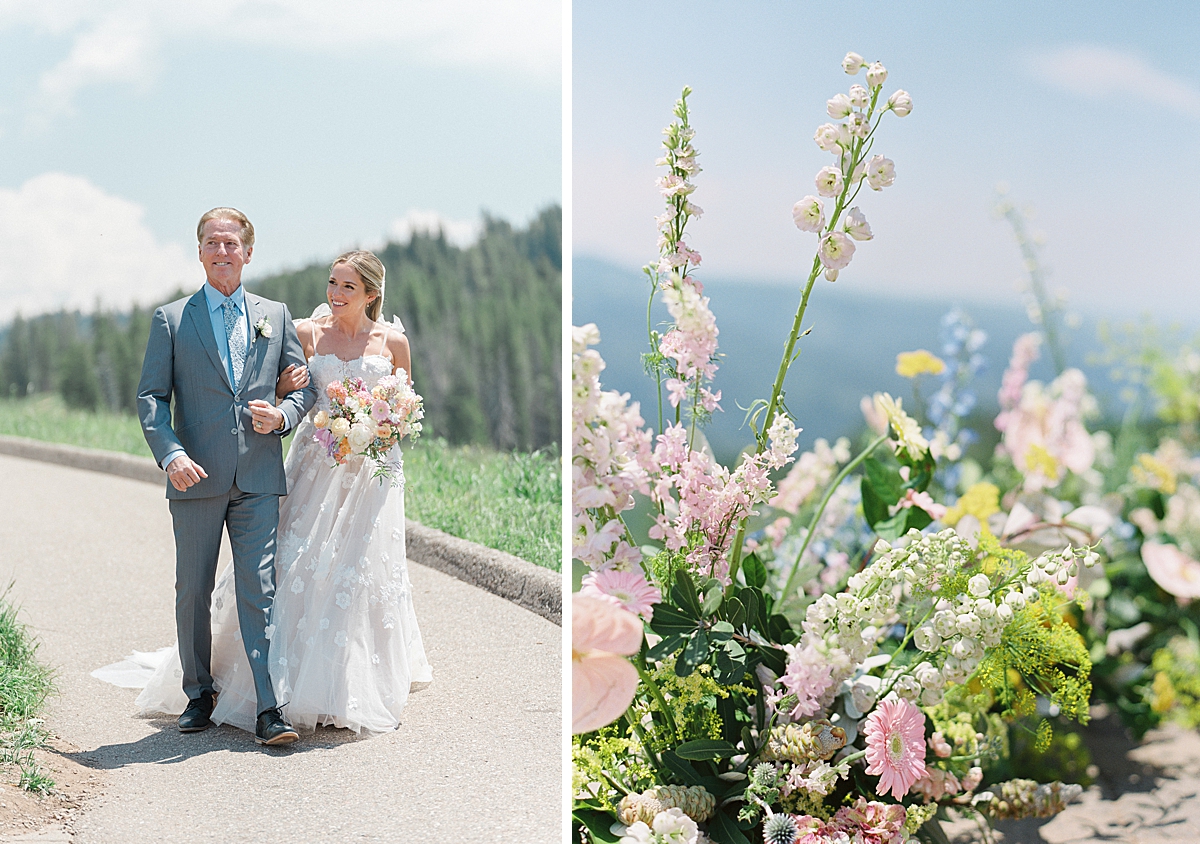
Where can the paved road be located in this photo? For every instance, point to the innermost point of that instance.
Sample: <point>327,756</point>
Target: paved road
<point>478,756</point>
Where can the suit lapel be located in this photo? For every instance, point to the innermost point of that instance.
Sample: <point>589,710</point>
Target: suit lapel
<point>256,346</point>
<point>197,311</point>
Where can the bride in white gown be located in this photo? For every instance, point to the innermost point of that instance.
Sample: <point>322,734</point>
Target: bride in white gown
<point>345,646</point>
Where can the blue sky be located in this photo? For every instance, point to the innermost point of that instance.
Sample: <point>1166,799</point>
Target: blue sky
<point>121,122</point>
<point>1090,112</point>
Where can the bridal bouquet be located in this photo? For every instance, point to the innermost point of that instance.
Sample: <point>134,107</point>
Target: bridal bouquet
<point>728,687</point>
<point>368,421</point>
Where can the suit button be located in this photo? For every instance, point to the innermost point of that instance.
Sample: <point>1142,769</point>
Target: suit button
<point>233,431</point>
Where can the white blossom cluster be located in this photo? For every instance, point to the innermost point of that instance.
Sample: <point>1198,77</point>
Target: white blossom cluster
<point>956,630</point>
<point>850,141</point>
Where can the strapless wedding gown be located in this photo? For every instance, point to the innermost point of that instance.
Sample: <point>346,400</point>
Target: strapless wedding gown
<point>345,645</point>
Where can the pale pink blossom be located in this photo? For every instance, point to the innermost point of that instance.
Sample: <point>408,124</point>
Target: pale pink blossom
<point>900,103</point>
<point>856,225</point>
<point>923,501</point>
<point>602,681</point>
<point>859,96</point>
<point>1171,569</point>
<point>895,732</point>
<point>939,745</point>
<point>829,181</point>
<point>836,250</point>
<point>881,172</point>
<point>936,783</point>
<point>876,75</point>
<point>838,107</point>
<point>809,214</point>
<point>827,137</point>
<point>626,589</point>
<point>808,677</point>
<point>853,63</point>
<point>1044,432</point>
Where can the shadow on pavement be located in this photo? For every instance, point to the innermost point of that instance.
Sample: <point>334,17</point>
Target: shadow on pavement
<point>168,746</point>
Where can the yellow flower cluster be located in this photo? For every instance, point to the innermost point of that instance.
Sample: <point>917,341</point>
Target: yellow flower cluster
<point>1151,472</point>
<point>980,501</point>
<point>920,362</point>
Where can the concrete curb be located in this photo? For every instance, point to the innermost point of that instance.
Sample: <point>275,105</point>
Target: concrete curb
<point>537,589</point>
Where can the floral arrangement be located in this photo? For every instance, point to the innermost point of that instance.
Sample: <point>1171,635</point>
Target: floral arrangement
<point>368,421</point>
<point>830,653</point>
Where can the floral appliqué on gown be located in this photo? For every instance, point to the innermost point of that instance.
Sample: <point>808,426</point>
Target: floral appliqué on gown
<point>345,646</point>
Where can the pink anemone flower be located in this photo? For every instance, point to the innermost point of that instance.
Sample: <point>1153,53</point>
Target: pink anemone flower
<point>895,733</point>
<point>602,680</point>
<point>1172,569</point>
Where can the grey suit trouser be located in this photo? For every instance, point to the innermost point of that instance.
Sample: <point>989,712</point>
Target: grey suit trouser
<point>252,520</point>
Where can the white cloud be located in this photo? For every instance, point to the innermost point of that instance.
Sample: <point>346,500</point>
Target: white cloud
<point>64,242</point>
<point>121,41</point>
<point>1101,73</point>
<point>459,232</point>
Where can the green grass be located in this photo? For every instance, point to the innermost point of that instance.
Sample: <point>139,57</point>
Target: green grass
<point>24,687</point>
<point>508,501</point>
<point>47,418</point>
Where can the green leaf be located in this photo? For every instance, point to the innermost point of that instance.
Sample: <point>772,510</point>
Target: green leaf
<point>888,529</point>
<point>885,480</point>
<point>695,653</point>
<point>754,571</point>
<point>735,611</point>
<point>917,518</point>
<point>665,648</point>
<point>685,595</point>
<point>669,621</point>
<point>680,768</point>
<point>723,830</point>
<point>780,630</point>
<point>774,658</point>
<point>721,631</point>
<point>753,603</point>
<point>702,749</point>
<point>712,600</point>
<point>598,824</point>
<point>731,663</point>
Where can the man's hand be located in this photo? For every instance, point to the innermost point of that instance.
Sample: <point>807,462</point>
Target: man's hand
<point>267,417</point>
<point>183,472</point>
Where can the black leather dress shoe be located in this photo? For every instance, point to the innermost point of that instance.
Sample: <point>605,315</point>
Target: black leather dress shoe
<point>196,717</point>
<point>272,729</point>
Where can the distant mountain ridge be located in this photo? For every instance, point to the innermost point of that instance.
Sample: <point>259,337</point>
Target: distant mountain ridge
<point>850,353</point>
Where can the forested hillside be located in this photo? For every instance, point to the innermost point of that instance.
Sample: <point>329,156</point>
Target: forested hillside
<point>484,324</point>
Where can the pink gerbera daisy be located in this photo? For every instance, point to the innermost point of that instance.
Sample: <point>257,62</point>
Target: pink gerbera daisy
<point>895,733</point>
<point>626,589</point>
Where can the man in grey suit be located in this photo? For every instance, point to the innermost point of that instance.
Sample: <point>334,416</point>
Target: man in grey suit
<point>217,355</point>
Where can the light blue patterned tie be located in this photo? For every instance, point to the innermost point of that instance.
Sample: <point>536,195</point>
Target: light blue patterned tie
<point>236,335</point>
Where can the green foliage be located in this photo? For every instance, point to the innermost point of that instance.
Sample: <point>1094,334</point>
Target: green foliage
<point>1039,653</point>
<point>1175,690</point>
<point>24,686</point>
<point>484,325</point>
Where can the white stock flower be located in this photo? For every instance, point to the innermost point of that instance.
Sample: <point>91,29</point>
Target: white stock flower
<point>836,251</point>
<point>583,336</point>
<point>876,75</point>
<point>881,172</point>
<point>827,137</point>
<point>853,63</point>
<point>829,181</point>
<point>979,585</point>
<point>901,103</point>
<point>809,214</point>
<point>927,639</point>
<point>858,125</point>
<point>856,225</point>
<point>674,827</point>
<point>838,107</point>
<point>859,96</point>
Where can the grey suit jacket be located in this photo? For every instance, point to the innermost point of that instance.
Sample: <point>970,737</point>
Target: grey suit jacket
<point>211,422</point>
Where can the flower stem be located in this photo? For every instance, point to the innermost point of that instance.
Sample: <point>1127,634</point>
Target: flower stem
<point>816,516</point>
<point>657,694</point>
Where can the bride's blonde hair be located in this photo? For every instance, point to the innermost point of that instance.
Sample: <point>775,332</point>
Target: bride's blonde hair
<point>370,270</point>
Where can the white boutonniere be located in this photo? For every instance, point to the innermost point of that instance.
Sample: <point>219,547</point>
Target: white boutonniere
<point>263,327</point>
